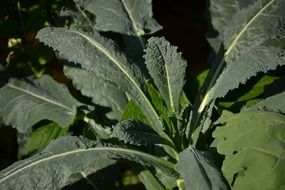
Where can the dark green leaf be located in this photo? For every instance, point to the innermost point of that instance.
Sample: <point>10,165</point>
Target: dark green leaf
<point>131,17</point>
<point>23,104</point>
<point>100,56</point>
<point>65,156</point>
<point>136,133</point>
<point>198,171</point>
<point>167,68</point>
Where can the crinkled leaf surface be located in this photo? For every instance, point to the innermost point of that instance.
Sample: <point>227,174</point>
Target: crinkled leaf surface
<point>131,17</point>
<point>24,103</point>
<point>65,156</point>
<point>254,148</point>
<point>100,55</point>
<point>167,68</point>
<point>136,133</point>
<point>274,103</point>
<point>198,171</point>
<point>222,11</point>
<point>101,91</point>
<point>248,48</point>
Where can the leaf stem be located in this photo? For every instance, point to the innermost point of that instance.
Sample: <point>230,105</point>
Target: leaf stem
<point>201,104</point>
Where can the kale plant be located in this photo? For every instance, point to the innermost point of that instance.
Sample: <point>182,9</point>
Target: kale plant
<point>230,137</point>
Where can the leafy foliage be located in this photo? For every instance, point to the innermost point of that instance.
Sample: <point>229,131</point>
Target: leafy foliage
<point>167,68</point>
<point>136,133</point>
<point>49,170</point>
<point>131,17</point>
<point>24,103</point>
<point>206,174</point>
<point>135,109</point>
<point>253,141</point>
<point>247,43</point>
<point>41,137</point>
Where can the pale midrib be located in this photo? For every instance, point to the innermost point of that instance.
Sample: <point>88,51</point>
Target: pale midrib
<point>131,152</point>
<point>168,80</point>
<point>131,18</point>
<point>169,89</point>
<point>208,96</point>
<point>102,49</point>
<point>88,180</point>
<point>40,97</point>
<point>246,27</point>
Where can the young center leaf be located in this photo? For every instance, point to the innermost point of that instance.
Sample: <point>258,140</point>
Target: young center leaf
<point>66,156</point>
<point>24,103</point>
<point>131,17</point>
<point>167,68</point>
<point>100,56</point>
<point>249,47</point>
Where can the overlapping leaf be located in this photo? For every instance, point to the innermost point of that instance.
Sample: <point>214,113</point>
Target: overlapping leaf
<point>253,145</point>
<point>249,48</point>
<point>274,103</point>
<point>222,12</point>
<point>24,103</point>
<point>136,133</point>
<point>131,17</point>
<point>40,138</point>
<point>101,91</point>
<point>198,171</point>
<point>65,156</point>
<point>167,68</point>
<point>99,55</point>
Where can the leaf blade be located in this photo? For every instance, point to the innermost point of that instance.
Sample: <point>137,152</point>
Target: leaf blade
<point>101,56</point>
<point>131,17</point>
<point>206,174</point>
<point>57,170</point>
<point>39,99</point>
<point>253,142</point>
<point>167,69</point>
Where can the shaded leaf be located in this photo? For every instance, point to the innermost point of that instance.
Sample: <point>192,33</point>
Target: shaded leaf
<point>274,103</point>
<point>198,171</point>
<point>222,12</point>
<point>100,55</point>
<point>91,177</point>
<point>248,47</point>
<point>102,92</point>
<point>131,17</point>
<point>65,156</point>
<point>136,133</point>
<point>253,92</point>
<point>147,178</point>
<point>133,112</point>
<point>41,137</point>
<point>24,103</point>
